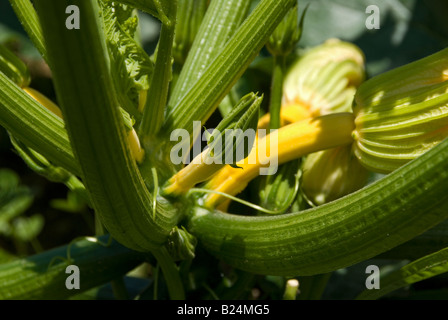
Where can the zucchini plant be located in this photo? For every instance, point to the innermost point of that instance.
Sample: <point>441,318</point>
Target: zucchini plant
<point>283,188</point>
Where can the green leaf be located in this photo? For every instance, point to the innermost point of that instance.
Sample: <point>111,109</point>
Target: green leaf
<point>153,7</point>
<point>131,67</point>
<point>409,29</point>
<point>28,228</point>
<point>14,199</point>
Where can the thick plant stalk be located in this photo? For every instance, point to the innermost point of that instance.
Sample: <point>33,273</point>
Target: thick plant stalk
<point>221,20</point>
<point>153,114</point>
<point>190,16</point>
<point>203,98</point>
<point>42,276</point>
<point>78,59</point>
<point>28,18</point>
<point>34,125</point>
<point>371,221</point>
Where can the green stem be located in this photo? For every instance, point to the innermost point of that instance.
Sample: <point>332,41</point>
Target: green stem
<point>199,102</point>
<point>170,273</point>
<point>77,186</point>
<point>276,91</point>
<point>247,203</point>
<point>221,20</point>
<point>424,268</point>
<point>291,289</point>
<point>432,240</point>
<point>153,114</point>
<point>313,287</point>
<point>78,59</point>
<point>371,221</point>
<point>240,288</point>
<point>35,126</point>
<point>189,19</point>
<point>42,276</point>
<point>28,18</point>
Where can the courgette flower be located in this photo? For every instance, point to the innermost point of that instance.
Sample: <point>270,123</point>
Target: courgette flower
<point>402,113</point>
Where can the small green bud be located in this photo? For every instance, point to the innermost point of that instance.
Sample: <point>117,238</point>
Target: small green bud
<point>402,113</point>
<point>325,78</point>
<point>14,68</point>
<point>287,34</point>
<point>332,174</point>
<point>39,163</point>
<point>181,244</point>
<point>127,120</point>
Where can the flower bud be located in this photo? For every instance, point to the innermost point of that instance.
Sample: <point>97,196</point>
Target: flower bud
<point>287,34</point>
<point>331,174</point>
<point>181,244</point>
<point>325,78</point>
<point>402,113</point>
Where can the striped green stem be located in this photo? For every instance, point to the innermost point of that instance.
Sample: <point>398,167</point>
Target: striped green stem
<point>42,276</point>
<point>28,18</point>
<point>153,114</point>
<point>419,270</point>
<point>220,22</point>
<point>276,92</point>
<point>79,62</point>
<point>371,221</point>
<point>199,102</point>
<point>35,126</point>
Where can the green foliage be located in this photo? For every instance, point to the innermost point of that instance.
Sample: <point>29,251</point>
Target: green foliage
<point>131,66</point>
<point>181,249</point>
<point>15,200</point>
